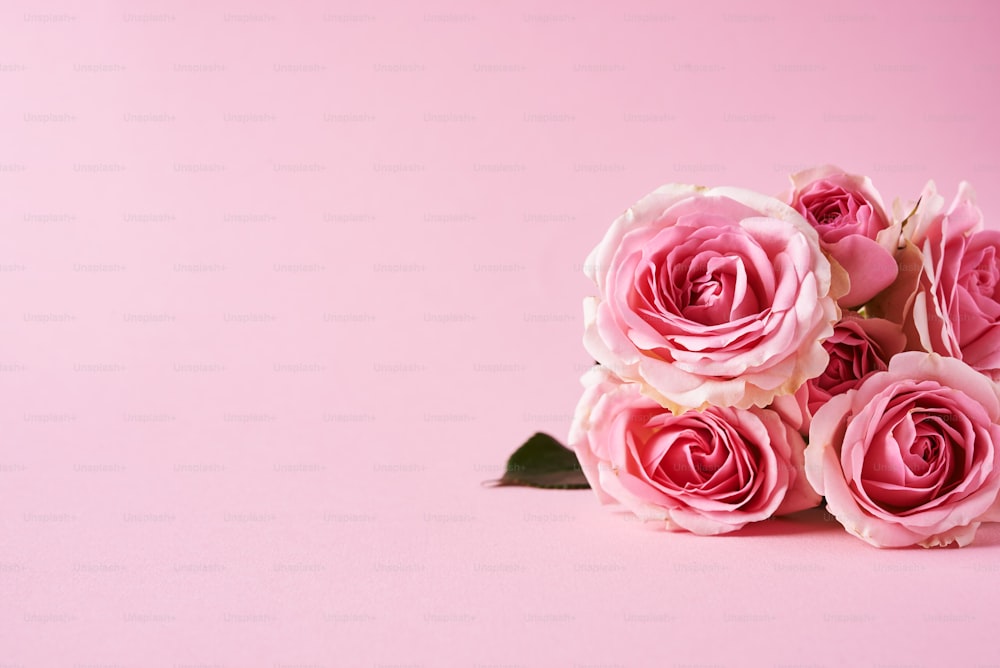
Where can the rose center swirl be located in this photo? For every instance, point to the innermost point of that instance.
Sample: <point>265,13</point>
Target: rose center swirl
<point>984,275</point>
<point>916,460</point>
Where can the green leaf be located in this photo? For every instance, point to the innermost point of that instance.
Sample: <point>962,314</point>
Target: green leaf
<point>543,462</point>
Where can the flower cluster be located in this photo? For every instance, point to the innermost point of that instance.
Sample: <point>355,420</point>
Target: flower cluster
<point>758,354</point>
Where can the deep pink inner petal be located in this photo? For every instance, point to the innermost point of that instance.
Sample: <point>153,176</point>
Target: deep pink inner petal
<point>918,453</point>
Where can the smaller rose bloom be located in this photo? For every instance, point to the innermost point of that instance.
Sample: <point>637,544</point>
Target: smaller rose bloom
<point>853,226</point>
<point>909,457</point>
<point>707,472</point>
<point>858,348</point>
<point>948,295</point>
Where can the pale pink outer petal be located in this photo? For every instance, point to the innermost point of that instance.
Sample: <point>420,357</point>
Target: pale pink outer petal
<point>613,349</point>
<point>891,238</point>
<point>929,206</point>
<point>647,512</point>
<point>993,514</point>
<point>703,525</point>
<point>598,382</point>
<point>949,372</point>
<point>962,535</point>
<point>794,409</point>
<point>825,433</point>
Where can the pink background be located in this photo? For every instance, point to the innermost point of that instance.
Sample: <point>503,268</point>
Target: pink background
<point>282,285</point>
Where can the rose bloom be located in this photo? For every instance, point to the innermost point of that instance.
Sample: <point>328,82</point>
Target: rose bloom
<point>909,457</point>
<point>948,295</point>
<point>707,472</point>
<point>858,348</point>
<point>853,226</point>
<point>711,296</point>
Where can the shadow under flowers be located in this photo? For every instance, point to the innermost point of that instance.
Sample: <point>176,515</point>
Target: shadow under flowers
<point>812,521</point>
<point>819,520</point>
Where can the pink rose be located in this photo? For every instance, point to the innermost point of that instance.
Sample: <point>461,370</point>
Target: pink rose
<point>847,212</point>
<point>948,296</point>
<point>909,457</point>
<point>707,472</point>
<point>711,296</point>
<point>858,348</point>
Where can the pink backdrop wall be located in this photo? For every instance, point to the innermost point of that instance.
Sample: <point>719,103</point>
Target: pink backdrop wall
<point>283,284</point>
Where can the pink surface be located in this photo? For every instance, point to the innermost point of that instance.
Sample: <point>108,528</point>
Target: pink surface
<point>283,284</point>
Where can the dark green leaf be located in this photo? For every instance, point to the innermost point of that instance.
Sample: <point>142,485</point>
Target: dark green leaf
<point>543,462</point>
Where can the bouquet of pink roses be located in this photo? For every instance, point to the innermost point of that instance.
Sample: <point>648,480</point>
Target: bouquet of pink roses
<point>758,354</point>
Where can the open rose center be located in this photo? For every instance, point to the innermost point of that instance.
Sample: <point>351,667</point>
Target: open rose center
<point>711,290</point>
<point>984,275</point>
<point>705,290</point>
<point>922,454</point>
<point>920,461</point>
<point>833,209</point>
<point>705,456</point>
<point>926,450</point>
<point>839,369</point>
<point>831,213</point>
<point>692,462</point>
